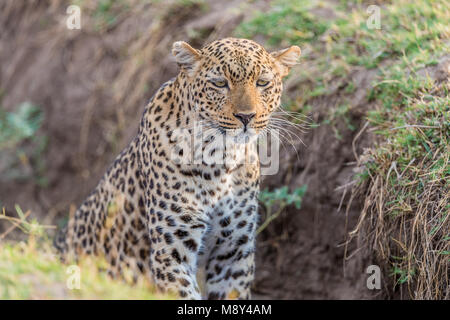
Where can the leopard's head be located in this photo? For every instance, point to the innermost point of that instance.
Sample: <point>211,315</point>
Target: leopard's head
<point>234,84</point>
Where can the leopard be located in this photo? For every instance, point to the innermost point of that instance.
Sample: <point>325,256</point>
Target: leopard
<point>182,196</point>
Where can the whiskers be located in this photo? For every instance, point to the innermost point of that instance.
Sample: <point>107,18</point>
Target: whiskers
<point>286,126</point>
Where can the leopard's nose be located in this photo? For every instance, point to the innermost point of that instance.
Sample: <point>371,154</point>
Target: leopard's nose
<point>245,118</point>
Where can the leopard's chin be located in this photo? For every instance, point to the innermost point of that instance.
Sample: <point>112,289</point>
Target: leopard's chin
<point>244,136</point>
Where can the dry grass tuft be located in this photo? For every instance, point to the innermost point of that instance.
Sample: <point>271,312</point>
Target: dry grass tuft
<point>406,184</point>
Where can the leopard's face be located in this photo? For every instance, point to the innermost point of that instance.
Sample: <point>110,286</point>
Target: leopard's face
<point>235,84</point>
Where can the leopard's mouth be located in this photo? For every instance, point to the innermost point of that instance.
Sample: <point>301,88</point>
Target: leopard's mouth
<point>240,135</point>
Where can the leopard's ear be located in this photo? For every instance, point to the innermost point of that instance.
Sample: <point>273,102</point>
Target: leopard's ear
<point>286,59</point>
<point>186,57</point>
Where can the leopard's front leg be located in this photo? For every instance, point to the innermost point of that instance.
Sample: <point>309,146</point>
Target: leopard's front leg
<point>175,245</point>
<point>230,268</point>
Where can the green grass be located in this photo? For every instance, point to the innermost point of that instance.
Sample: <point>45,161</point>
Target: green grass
<point>30,269</point>
<point>410,119</point>
<point>19,125</point>
<point>409,161</point>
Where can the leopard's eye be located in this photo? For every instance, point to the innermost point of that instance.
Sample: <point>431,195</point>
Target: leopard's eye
<point>220,83</point>
<point>262,83</point>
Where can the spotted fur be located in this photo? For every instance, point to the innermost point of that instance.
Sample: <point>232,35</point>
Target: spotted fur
<point>165,217</point>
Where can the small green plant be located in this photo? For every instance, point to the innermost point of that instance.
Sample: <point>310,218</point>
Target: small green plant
<point>21,146</point>
<point>277,200</point>
<point>402,275</point>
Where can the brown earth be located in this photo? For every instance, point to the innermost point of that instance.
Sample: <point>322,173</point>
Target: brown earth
<point>92,85</point>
